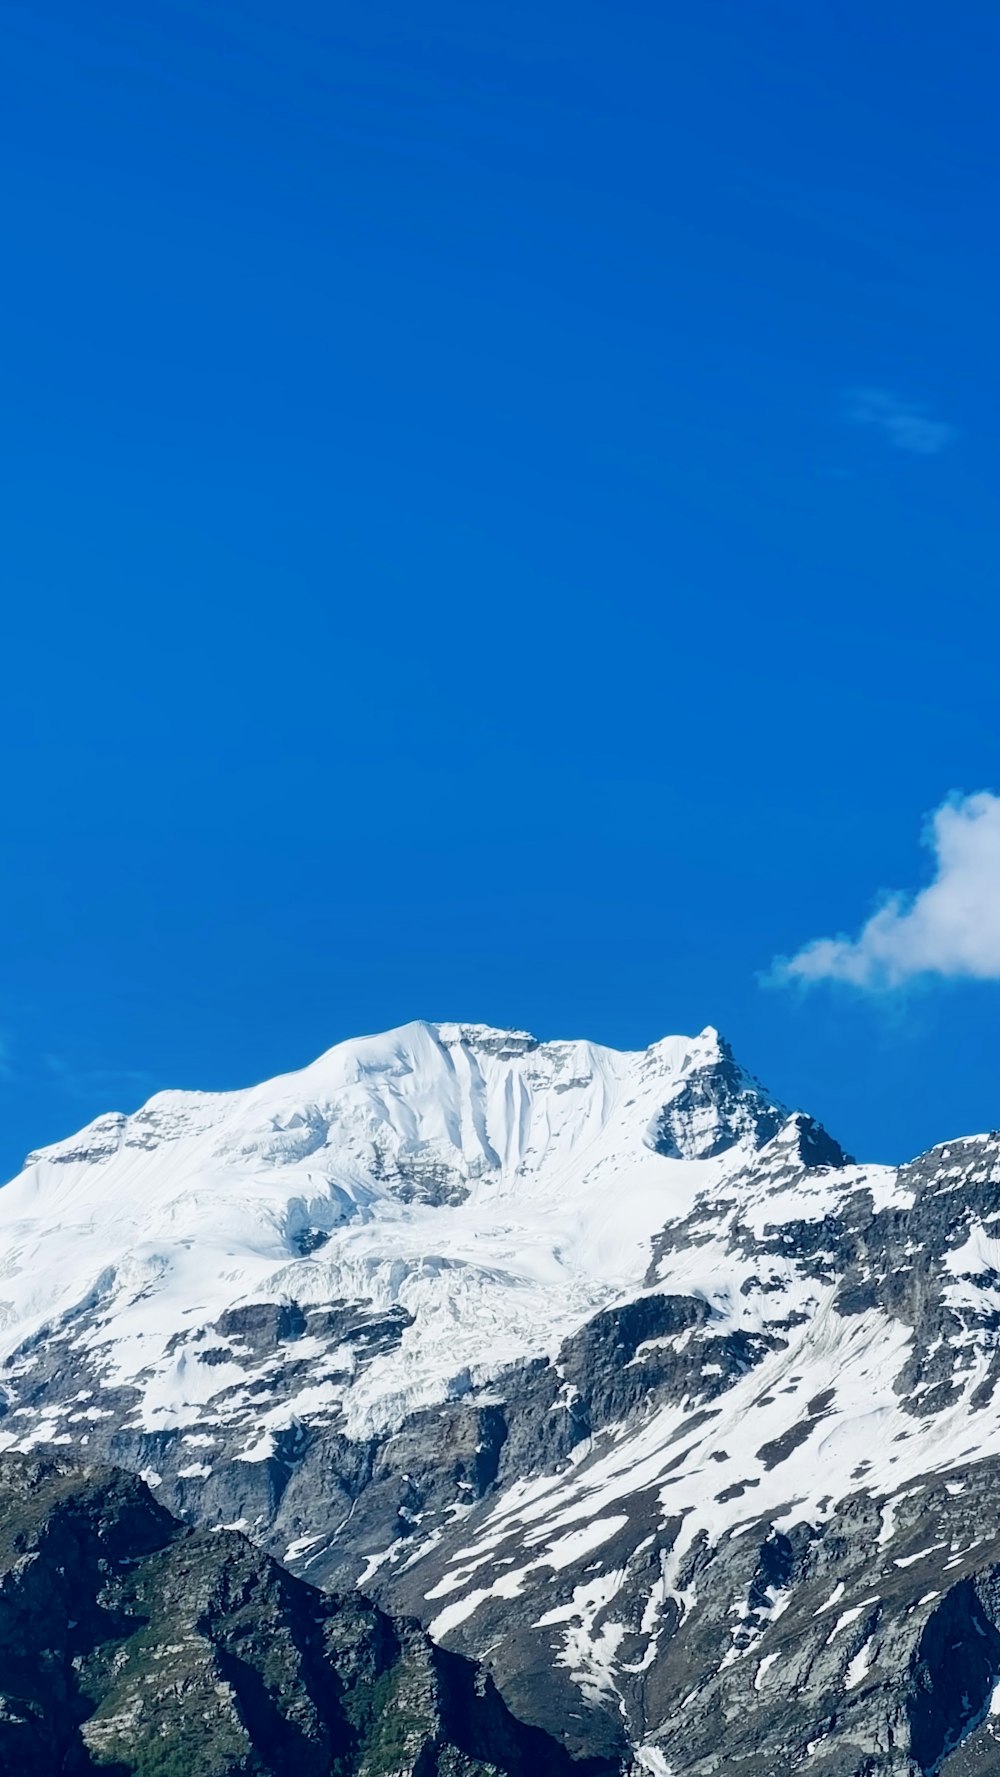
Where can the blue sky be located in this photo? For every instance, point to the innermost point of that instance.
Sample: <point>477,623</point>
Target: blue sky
<point>497,524</point>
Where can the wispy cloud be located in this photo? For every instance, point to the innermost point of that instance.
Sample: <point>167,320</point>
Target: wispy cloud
<point>84,1082</point>
<point>950,929</point>
<point>903,424</point>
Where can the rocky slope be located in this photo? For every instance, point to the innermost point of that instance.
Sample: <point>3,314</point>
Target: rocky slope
<point>134,1646</point>
<point>615,1374</point>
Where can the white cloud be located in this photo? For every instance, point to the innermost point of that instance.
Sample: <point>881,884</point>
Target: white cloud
<point>950,929</point>
<point>903,424</point>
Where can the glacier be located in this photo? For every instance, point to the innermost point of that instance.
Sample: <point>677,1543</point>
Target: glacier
<point>498,1189</point>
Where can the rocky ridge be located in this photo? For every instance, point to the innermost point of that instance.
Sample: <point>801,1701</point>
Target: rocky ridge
<point>135,1646</point>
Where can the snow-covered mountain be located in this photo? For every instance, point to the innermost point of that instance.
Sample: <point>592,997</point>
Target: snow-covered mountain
<point>490,1190</point>
<point>612,1371</point>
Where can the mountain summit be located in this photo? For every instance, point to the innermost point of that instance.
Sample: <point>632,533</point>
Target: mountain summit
<point>616,1374</point>
<point>487,1189</point>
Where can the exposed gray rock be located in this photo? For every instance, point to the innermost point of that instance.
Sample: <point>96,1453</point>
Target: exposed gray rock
<point>717,1107</point>
<point>134,1646</point>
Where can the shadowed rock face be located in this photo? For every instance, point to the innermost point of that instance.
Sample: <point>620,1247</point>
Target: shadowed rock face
<point>134,1646</point>
<point>717,1107</point>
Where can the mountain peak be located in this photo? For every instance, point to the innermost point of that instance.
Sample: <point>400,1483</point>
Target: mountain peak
<point>492,1187</point>
<point>810,1143</point>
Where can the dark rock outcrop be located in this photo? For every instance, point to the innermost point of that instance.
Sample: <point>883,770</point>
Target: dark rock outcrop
<point>133,1645</point>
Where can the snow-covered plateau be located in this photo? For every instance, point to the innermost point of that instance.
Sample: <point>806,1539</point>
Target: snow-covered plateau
<point>612,1370</point>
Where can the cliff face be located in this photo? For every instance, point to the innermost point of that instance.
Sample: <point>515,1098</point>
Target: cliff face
<point>136,1647</point>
